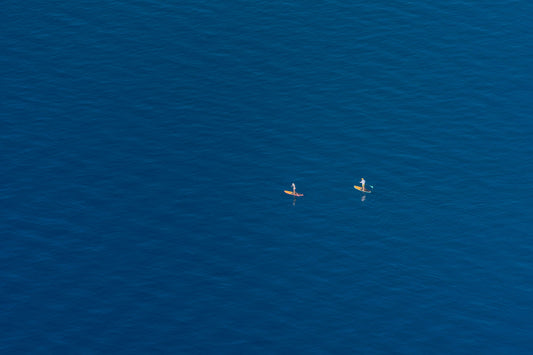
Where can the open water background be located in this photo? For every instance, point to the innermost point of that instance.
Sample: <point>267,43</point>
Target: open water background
<point>146,144</point>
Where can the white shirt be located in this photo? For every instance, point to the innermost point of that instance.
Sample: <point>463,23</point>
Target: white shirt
<point>363,181</point>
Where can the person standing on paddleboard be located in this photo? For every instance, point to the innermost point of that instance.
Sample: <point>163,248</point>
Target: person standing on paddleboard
<point>293,188</point>
<point>363,183</point>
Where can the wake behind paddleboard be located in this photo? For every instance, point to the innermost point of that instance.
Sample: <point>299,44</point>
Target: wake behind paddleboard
<point>361,189</point>
<point>293,193</point>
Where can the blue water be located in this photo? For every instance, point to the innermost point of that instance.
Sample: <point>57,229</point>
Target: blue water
<point>146,146</point>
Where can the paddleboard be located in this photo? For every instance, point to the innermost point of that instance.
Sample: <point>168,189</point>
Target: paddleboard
<point>293,193</point>
<point>361,189</point>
